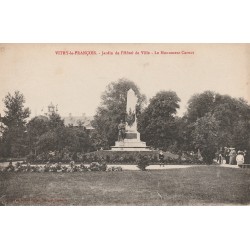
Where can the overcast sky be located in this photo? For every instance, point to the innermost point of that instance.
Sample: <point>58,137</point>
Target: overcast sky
<point>75,82</point>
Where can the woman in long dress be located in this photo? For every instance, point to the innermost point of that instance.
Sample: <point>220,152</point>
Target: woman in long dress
<point>240,158</point>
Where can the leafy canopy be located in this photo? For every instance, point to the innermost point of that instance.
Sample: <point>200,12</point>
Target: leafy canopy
<point>157,123</point>
<point>13,142</point>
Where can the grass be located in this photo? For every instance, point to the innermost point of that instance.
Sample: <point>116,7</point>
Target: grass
<point>201,185</point>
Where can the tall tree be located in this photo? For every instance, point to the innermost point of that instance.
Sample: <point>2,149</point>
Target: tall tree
<point>112,110</point>
<point>200,104</point>
<point>157,123</point>
<point>54,136</point>
<point>47,134</point>
<point>36,127</point>
<point>205,136</point>
<point>232,116</point>
<point>15,120</point>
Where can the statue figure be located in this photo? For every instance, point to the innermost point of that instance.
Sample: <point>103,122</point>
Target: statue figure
<point>121,131</point>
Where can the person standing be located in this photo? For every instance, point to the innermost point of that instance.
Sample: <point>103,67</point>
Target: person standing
<point>161,158</point>
<point>240,158</point>
<point>220,157</point>
<point>226,153</point>
<point>246,157</point>
<point>232,157</point>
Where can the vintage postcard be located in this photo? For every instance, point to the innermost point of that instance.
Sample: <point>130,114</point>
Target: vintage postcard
<point>124,124</point>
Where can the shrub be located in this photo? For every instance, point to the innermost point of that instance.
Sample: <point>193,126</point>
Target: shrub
<point>114,168</point>
<point>208,155</point>
<point>82,168</point>
<point>116,157</point>
<point>103,166</point>
<point>95,166</point>
<point>142,163</point>
<point>117,169</point>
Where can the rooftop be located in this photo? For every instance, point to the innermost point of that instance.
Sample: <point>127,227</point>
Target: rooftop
<point>78,120</point>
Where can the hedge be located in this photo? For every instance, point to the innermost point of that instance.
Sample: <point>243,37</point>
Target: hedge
<point>117,157</point>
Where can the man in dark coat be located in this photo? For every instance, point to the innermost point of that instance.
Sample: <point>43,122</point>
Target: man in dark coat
<point>246,157</point>
<point>161,158</point>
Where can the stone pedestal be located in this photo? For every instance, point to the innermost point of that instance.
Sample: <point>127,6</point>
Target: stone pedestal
<point>131,142</point>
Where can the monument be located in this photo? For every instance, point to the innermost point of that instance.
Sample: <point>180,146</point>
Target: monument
<point>128,136</point>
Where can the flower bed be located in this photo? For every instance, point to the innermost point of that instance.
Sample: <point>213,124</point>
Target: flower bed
<point>132,157</point>
<point>56,167</point>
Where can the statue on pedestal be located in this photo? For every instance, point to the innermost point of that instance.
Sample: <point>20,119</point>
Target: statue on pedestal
<point>128,136</point>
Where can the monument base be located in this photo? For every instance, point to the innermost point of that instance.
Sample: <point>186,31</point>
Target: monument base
<point>131,142</point>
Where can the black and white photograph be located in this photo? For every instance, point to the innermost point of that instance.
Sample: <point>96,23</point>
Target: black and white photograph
<point>124,124</point>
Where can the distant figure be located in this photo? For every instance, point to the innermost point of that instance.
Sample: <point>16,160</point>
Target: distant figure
<point>217,156</point>
<point>246,157</point>
<point>240,158</point>
<point>226,153</point>
<point>161,158</point>
<point>121,131</point>
<point>10,164</point>
<point>232,157</point>
<point>220,160</point>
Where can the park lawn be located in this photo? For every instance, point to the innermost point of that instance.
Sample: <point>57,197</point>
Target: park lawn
<point>201,185</point>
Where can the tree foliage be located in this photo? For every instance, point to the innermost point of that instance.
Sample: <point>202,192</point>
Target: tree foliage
<point>15,113</point>
<point>231,116</point>
<point>15,120</point>
<point>50,134</point>
<point>157,123</point>
<point>200,104</point>
<point>36,127</point>
<point>212,121</point>
<point>205,136</point>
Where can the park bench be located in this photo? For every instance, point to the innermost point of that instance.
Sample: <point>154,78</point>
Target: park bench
<point>244,165</point>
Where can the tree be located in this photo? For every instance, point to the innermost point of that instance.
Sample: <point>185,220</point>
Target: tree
<point>55,121</point>
<point>157,123</point>
<point>36,127</point>
<point>47,135</point>
<point>232,116</point>
<point>184,129</point>
<point>76,139</point>
<point>200,104</point>
<point>44,133</point>
<point>241,135</point>
<point>112,110</point>
<point>51,134</point>
<point>205,136</point>
<point>15,120</point>
<point>48,141</point>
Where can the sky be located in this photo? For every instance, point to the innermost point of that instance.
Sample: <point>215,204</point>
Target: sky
<point>75,81</point>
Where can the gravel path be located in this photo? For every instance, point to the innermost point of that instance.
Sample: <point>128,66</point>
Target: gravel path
<point>151,167</point>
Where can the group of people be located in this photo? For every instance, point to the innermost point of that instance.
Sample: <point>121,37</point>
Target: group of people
<point>232,157</point>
